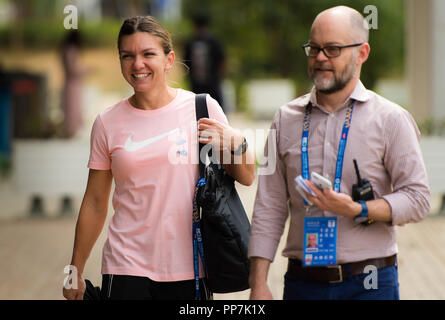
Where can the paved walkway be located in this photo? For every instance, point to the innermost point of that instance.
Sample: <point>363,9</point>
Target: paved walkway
<point>34,252</point>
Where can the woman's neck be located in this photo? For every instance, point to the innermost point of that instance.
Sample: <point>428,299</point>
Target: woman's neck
<point>153,100</point>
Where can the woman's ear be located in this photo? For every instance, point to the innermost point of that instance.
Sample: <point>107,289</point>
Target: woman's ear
<point>170,60</point>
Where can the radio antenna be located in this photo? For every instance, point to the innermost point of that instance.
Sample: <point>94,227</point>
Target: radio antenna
<point>359,179</point>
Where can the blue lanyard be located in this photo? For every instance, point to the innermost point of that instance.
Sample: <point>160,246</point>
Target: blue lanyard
<point>197,239</point>
<point>341,146</point>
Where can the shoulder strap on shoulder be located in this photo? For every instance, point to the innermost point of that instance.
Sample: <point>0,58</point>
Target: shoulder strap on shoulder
<point>201,106</point>
<point>201,112</point>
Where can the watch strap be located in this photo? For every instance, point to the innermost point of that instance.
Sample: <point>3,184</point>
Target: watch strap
<point>241,149</point>
<point>364,212</point>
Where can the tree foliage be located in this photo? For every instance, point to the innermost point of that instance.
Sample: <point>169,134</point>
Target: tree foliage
<point>263,38</point>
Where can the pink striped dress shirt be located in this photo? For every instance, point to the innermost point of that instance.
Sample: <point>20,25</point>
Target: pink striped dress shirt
<point>383,138</point>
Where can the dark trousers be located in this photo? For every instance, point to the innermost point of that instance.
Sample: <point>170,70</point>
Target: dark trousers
<point>352,288</point>
<point>123,287</point>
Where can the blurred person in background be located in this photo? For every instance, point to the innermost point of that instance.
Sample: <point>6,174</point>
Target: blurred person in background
<point>204,55</point>
<point>72,95</point>
<point>146,144</point>
<point>72,98</point>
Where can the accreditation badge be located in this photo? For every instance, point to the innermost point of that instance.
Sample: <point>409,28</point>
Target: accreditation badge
<point>320,241</point>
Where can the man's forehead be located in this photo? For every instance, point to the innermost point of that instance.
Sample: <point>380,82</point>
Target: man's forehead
<point>330,34</point>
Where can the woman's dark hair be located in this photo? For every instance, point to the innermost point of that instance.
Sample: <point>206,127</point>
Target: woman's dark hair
<point>146,24</point>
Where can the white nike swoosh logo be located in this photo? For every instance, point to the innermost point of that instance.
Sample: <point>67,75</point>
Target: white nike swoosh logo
<point>131,145</point>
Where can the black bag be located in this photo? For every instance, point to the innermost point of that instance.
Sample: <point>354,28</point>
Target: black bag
<point>92,292</point>
<point>224,224</point>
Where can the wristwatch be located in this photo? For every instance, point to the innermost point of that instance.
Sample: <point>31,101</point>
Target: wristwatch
<point>363,216</point>
<point>241,149</point>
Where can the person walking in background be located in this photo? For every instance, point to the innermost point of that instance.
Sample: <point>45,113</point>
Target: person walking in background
<point>204,56</point>
<point>72,95</point>
<point>146,144</point>
<point>72,98</point>
<point>323,132</point>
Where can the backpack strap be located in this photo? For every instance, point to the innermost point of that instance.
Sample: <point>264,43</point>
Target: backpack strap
<point>201,112</point>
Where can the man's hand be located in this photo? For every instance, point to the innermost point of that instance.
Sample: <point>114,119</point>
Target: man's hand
<point>342,204</point>
<point>260,292</point>
<point>259,268</point>
<point>75,294</point>
<point>338,203</point>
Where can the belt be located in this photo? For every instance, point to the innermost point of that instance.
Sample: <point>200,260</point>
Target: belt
<point>336,273</point>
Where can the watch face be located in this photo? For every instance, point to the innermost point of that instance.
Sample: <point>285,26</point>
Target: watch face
<point>360,219</point>
<point>244,146</point>
<point>241,149</point>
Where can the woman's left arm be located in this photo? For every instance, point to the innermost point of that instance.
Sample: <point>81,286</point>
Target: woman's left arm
<point>226,139</point>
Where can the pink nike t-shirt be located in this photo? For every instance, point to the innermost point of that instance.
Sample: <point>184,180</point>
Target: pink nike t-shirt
<point>152,155</point>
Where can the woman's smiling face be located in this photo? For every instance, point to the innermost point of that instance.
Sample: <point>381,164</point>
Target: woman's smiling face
<point>143,61</point>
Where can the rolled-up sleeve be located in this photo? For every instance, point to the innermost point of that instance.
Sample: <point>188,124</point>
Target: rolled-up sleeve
<point>271,208</point>
<point>410,199</point>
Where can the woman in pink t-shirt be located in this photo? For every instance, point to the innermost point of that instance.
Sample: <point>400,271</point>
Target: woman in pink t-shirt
<point>148,143</point>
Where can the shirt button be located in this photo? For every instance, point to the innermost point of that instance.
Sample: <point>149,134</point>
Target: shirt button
<point>332,115</point>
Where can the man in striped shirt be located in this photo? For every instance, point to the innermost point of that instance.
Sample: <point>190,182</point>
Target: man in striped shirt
<point>343,121</point>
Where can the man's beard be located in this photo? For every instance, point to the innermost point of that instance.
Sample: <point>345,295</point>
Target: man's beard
<point>334,84</point>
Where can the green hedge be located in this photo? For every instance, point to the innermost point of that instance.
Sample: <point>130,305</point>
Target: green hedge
<point>263,38</point>
<point>49,34</point>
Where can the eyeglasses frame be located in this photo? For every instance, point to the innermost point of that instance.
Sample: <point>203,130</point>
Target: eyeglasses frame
<point>304,46</point>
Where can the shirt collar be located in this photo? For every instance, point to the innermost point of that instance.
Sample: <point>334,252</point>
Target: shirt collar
<point>359,94</point>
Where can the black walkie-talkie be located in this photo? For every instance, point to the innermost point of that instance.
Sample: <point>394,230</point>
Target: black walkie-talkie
<point>362,190</point>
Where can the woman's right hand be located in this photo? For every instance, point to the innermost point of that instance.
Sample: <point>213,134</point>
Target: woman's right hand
<point>75,294</point>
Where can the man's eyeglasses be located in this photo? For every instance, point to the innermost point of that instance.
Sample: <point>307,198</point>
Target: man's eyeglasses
<point>329,51</point>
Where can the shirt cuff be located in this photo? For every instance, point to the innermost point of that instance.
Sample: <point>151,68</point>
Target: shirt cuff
<point>402,210</point>
<point>263,247</point>
<point>98,166</point>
